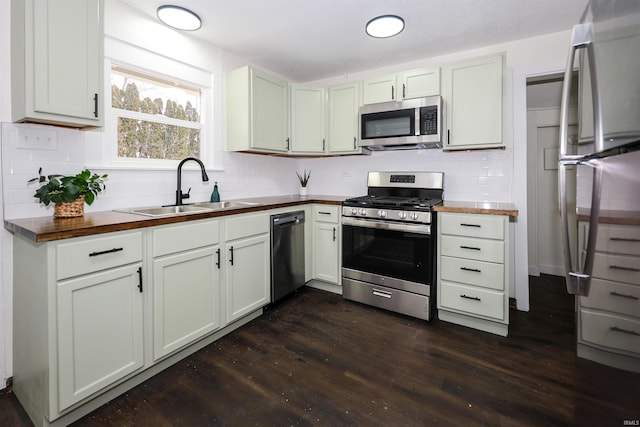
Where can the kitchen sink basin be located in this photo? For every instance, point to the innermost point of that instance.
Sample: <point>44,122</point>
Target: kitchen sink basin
<point>168,210</point>
<point>227,205</point>
<point>156,211</point>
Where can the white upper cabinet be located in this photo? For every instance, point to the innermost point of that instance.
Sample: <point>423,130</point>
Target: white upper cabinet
<point>343,119</point>
<point>396,87</point>
<point>57,62</point>
<point>472,92</point>
<point>257,112</point>
<point>308,124</point>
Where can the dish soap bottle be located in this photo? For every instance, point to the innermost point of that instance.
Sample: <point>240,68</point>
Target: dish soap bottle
<point>215,196</point>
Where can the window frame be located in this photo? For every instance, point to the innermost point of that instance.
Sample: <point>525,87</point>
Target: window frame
<point>139,60</point>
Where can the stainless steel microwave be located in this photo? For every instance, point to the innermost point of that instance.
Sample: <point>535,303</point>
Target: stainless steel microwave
<point>409,124</point>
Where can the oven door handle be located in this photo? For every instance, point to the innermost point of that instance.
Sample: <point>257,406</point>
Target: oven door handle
<point>385,225</point>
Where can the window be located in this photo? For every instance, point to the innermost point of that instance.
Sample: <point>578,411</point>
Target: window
<point>156,118</point>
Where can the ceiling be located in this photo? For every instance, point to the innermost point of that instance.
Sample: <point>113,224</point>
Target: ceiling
<point>311,40</point>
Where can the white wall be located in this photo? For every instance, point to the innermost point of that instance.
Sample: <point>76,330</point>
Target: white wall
<point>475,176</point>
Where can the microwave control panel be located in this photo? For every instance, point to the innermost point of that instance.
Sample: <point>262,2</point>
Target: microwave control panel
<point>429,120</point>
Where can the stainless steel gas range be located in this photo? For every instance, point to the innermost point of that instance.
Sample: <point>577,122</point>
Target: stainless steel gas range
<point>388,242</point>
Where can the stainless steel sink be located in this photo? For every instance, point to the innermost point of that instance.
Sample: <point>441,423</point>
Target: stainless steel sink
<point>167,210</point>
<point>156,211</point>
<point>227,205</point>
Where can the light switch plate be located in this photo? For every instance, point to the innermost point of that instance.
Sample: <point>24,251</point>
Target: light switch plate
<point>37,139</point>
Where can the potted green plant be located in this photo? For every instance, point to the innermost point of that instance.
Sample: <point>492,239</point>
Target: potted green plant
<point>69,193</point>
<point>304,180</point>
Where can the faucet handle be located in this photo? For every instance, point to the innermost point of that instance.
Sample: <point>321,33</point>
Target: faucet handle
<point>186,196</point>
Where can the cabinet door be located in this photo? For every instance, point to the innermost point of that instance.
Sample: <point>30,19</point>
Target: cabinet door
<point>379,89</point>
<point>99,331</point>
<point>247,276</point>
<point>343,118</point>
<point>325,252</point>
<point>186,298</point>
<point>423,82</point>
<point>307,119</point>
<point>472,92</point>
<point>269,112</point>
<point>68,59</point>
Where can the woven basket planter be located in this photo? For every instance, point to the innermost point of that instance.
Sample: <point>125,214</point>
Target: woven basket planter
<point>69,209</point>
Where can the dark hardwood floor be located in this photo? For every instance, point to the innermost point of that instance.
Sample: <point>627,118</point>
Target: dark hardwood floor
<point>317,359</point>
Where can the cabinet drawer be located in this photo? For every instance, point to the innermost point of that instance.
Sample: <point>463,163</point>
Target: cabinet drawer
<point>485,226</point>
<point>246,225</point>
<point>326,213</point>
<point>619,268</point>
<point>477,249</point>
<point>478,301</point>
<point>613,296</point>
<point>178,238</point>
<point>616,332</point>
<point>97,253</point>
<point>619,239</point>
<point>478,273</point>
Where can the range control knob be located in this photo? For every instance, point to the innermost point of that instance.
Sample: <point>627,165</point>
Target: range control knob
<point>415,216</point>
<point>354,211</point>
<point>382,214</point>
<point>362,211</point>
<point>402,215</point>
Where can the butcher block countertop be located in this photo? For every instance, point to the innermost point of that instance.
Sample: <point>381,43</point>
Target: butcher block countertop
<point>612,217</point>
<point>45,229</point>
<point>487,208</point>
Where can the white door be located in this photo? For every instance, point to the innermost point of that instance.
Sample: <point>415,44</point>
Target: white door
<point>545,246</point>
<point>186,298</point>
<point>99,331</point>
<point>325,252</point>
<point>247,276</point>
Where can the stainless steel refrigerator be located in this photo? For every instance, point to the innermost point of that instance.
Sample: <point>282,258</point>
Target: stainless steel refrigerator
<point>599,179</point>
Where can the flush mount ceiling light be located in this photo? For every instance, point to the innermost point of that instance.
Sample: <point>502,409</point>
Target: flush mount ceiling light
<point>179,18</point>
<point>385,26</point>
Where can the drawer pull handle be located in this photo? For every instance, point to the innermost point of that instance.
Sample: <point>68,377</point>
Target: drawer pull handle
<point>231,252</point>
<point>622,239</point>
<point>616,294</point>
<point>470,225</point>
<point>382,294</point>
<point>324,213</point>
<point>108,251</point>
<point>469,247</point>
<point>218,262</point>
<point>475,270</point>
<point>468,297</point>
<point>617,267</point>
<point>625,331</point>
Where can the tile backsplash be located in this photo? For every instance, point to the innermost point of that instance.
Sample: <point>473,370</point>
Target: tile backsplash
<point>485,175</point>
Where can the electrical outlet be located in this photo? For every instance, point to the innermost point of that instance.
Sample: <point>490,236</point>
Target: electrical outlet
<point>346,174</point>
<point>37,139</point>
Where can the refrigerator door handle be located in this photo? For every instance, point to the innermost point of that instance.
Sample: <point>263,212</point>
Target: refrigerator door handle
<point>579,280</point>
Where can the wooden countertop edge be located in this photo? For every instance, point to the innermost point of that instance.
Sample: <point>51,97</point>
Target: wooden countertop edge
<point>476,210</point>
<point>46,229</point>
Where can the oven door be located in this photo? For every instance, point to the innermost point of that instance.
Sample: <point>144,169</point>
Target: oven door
<point>394,250</point>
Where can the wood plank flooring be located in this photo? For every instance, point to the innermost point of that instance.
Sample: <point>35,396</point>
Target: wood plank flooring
<point>319,360</point>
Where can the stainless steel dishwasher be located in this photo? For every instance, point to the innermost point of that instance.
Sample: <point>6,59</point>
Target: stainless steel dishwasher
<point>287,254</point>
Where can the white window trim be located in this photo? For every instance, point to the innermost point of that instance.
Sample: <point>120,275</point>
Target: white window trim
<point>139,59</point>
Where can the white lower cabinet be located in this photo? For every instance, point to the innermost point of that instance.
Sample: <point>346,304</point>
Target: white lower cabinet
<point>472,271</point>
<point>78,319</point>
<point>186,284</point>
<point>247,278</point>
<point>99,331</point>
<point>326,243</point>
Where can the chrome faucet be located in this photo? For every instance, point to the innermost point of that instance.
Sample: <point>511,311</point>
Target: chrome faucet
<point>179,194</point>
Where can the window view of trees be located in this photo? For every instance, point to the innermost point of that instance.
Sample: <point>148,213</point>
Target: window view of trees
<point>156,120</point>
